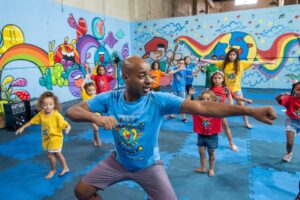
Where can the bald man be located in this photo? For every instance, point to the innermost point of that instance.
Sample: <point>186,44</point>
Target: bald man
<point>135,116</point>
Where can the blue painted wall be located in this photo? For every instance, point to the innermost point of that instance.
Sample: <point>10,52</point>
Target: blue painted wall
<point>44,46</point>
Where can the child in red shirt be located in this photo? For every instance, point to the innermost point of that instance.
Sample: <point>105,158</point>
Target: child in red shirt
<point>207,129</point>
<point>102,80</point>
<point>222,92</point>
<point>292,125</point>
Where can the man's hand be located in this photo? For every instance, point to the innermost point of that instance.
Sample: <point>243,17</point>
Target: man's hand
<point>107,122</point>
<point>264,114</point>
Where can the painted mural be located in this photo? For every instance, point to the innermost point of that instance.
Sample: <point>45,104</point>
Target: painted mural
<point>53,52</point>
<point>263,34</point>
<point>84,42</point>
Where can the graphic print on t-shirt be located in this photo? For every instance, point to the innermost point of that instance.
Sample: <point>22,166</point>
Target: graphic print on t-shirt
<point>231,77</point>
<point>128,134</point>
<point>45,129</point>
<point>206,123</point>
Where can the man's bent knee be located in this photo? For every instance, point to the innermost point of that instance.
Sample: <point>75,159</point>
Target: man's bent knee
<point>84,191</point>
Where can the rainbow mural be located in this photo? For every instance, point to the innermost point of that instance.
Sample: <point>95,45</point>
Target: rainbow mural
<point>196,48</point>
<point>26,52</point>
<point>281,47</point>
<point>279,50</point>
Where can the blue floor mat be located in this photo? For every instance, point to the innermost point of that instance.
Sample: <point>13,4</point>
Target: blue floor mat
<point>21,181</point>
<point>223,153</point>
<point>272,134</point>
<point>104,135</point>
<point>23,147</point>
<point>272,184</point>
<point>255,172</point>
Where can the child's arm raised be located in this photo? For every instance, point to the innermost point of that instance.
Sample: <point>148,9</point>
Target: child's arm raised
<point>174,71</point>
<point>265,62</point>
<point>208,61</point>
<point>87,76</point>
<point>278,97</point>
<point>115,70</point>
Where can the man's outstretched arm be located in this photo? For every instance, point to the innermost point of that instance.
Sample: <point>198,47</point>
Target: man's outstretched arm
<point>264,114</point>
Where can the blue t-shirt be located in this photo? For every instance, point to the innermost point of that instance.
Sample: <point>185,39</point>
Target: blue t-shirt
<point>189,73</point>
<point>138,124</point>
<point>179,80</point>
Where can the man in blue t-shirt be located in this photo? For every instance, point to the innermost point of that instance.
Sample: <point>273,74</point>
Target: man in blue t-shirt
<point>135,116</point>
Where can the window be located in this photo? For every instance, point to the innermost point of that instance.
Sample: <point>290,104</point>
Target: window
<point>245,2</point>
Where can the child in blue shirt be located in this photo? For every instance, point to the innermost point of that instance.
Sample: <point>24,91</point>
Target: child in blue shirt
<point>178,83</point>
<point>190,73</point>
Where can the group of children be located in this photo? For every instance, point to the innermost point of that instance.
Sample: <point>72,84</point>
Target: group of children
<point>223,84</point>
<point>229,84</point>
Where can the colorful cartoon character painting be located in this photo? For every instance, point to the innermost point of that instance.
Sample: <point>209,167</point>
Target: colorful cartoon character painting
<point>66,54</point>
<point>75,80</point>
<point>156,50</point>
<point>102,56</point>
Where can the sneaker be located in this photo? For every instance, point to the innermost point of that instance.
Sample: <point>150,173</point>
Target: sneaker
<point>184,120</point>
<point>287,157</point>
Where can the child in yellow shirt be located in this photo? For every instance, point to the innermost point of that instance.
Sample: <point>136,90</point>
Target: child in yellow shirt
<point>88,90</point>
<point>52,124</point>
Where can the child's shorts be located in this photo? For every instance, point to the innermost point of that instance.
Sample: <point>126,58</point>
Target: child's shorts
<point>292,125</point>
<point>209,141</point>
<point>54,150</point>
